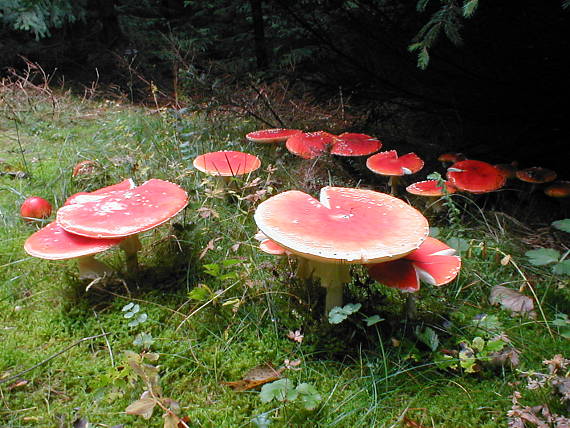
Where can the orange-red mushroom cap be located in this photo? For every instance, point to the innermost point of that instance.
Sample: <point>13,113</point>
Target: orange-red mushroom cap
<point>433,262</point>
<point>126,212</point>
<point>309,145</point>
<point>536,175</point>
<point>227,163</point>
<point>354,144</point>
<point>52,242</point>
<point>430,188</point>
<point>275,135</point>
<point>347,225</point>
<point>389,163</point>
<point>99,193</point>
<point>559,189</point>
<point>475,176</point>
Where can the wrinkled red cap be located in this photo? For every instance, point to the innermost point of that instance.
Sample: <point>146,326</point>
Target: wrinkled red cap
<point>475,176</point>
<point>347,225</point>
<point>53,243</point>
<point>275,135</point>
<point>309,145</point>
<point>388,163</point>
<point>433,262</point>
<point>227,163</point>
<point>560,189</point>
<point>125,212</point>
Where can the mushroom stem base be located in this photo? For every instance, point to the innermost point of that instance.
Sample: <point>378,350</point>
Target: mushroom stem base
<point>90,268</point>
<point>332,276</point>
<point>411,307</point>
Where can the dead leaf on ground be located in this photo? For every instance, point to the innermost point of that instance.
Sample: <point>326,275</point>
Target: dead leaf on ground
<point>257,376</point>
<point>206,212</point>
<point>506,356</point>
<point>512,300</point>
<point>208,247</point>
<point>412,424</point>
<point>18,384</point>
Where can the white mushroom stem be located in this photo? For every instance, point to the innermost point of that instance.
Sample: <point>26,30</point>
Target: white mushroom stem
<point>332,276</point>
<point>131,245</point>
<point>90,268</point>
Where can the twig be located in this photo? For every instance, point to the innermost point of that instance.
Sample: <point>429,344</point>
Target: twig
<point>106,340</point>
<point>67,348</point>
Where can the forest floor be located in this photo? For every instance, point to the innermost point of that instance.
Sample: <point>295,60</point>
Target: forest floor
<point>229,337</point>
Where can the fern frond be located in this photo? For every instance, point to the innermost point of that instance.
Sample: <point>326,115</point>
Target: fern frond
<point>469,7</point>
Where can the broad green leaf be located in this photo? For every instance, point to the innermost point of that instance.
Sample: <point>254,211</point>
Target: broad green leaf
<point>279,390</point>
<point>309,395</point>
<point>478,344</point>
<point>459,244</point>
<point>487,326</point>
<point>542,256</point>
<point>339,314</point>
<point>199,293</point>
<point>144,340</point>
<point>494,345</point>
<point>562,268</point>
<point>563,225</point>
<point>373,320</point>
<point>261,421</point>
<point>428,336</point>
<point>467,360</point>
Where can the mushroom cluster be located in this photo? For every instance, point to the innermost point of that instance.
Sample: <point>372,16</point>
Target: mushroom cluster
<point>348,226</point>
<point>90,223</point>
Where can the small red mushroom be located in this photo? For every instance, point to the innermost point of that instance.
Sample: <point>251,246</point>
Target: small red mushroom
<point>431,190</point>
<point>346,226</point>
<point>389,164</point>
<point>35,208</point>
<point>54,243</point>
<point>475,176</point>
<point>226,164</point>
<point>559,189</point>
<point>275,135</point>
<point>86,167</point>
<point>310,145</point>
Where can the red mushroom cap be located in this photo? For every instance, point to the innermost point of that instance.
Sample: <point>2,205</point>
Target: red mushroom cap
<point>99,193</point>
<point>52,242</point>
<point>35,207</point>
<point>353,144</point>
<point>536,175</point>
<point>388,163</point>
<point>432,262</point>
<point>509,170</point>
<point>85,167</point>
<point>276,135</point>
<point>451,157</point>
<point>560,189</point>
<point>430,188</point>
<point>347,225</point>
<point>309,145</point>
<point>125,212</point>
<point>227,163</point>
<point>475,176</point>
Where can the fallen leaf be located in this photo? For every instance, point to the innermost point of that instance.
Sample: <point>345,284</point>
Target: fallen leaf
<point>412,424</point>
<point>142,407</point>
<point>507,356</point>
<point>292,365</point>
<point>505,260</point>
<point>206,212</point>
<point>512,300</point>
<point>257,376</point>
<point>18,384</point>
<point>295,336</point>
<point>209,246</point>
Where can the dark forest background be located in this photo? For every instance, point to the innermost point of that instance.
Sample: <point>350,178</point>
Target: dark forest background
<point>496,86</point>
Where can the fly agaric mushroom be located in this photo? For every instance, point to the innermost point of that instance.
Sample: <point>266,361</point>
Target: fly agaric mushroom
<point>310,145</point>
<point>97,194</point>
<point>475,176</point>
<point>560,189</point>
<point>35,208</point>
<point>388,163</point>
<point>431,190</point>
<point>433,262</point>
<point>509,170</point>
<point>124,214</point>
<point>275,135</point>
<point>347,226</point>
<point>86,167</point>
<point>226,164</point>
<point>53,243</point>
<point>536,175</point>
